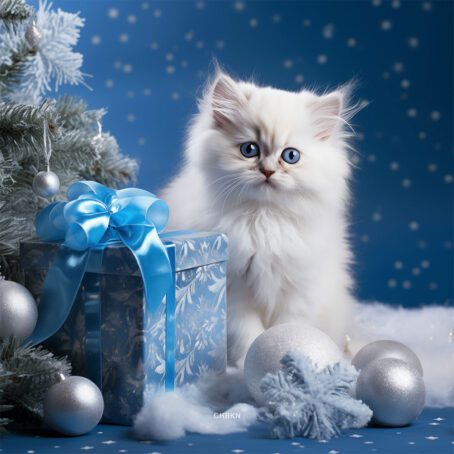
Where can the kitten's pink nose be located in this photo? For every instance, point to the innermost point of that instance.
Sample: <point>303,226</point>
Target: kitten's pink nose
<point>266,172</point>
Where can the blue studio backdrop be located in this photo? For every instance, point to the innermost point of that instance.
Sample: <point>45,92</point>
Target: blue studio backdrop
<point>149,59</point>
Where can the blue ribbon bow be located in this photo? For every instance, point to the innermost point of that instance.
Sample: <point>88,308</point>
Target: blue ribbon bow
<point>93,217</point>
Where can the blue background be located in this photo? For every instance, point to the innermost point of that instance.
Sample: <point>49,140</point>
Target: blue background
<point>149,60</point>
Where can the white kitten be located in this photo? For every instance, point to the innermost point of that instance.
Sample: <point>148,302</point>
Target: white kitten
<point>271,168</point>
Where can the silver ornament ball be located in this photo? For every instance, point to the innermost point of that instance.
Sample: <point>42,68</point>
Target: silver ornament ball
<point>386,349</point>
<point>73,406</point>
<point>46,184</point>
<point>33,36</point>
<point>267,350</point>
<point>393,389</point>
<point>18,310</point>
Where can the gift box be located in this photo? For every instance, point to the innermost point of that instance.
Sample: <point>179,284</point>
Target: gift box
<point>113,338</point>
<point>136,310</point>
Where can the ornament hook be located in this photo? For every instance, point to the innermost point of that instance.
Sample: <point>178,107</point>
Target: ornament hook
<point>47,145</point>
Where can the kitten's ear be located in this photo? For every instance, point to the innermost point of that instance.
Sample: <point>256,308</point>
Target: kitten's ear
<point>327,111</point>
<point>226,100</point>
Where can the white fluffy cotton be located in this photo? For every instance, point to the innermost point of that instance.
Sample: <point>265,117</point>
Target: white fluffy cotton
<point>168,416</point>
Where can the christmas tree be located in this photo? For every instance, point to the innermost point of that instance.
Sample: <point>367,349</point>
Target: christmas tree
<point>41,133</point>
<point>36,58</point>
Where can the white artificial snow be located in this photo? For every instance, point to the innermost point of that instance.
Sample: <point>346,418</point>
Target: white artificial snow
<point>192,408</point>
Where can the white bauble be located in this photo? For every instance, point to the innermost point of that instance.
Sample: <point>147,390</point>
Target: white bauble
<point>267,350</point>
<point>18,310</point>
<point>73,406</point>
<point>386,349</point>
<point>46,184</point>
<point>393,389</point>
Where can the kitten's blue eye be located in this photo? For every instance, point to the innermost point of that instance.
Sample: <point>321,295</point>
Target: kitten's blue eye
<point>291,156</point>
<point>249,149</point>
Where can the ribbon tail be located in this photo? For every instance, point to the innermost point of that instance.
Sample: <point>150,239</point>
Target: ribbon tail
<point>170,327</point>
<point>59,292</point>
<point>157,268</point>
<point>154,264</point>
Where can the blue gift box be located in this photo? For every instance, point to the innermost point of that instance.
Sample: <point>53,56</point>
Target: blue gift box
<point>110,336</point>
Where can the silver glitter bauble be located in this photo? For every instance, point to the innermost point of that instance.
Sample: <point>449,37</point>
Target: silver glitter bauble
<point>33,36</point>
<point>46,184</point>
<point>386,349</point>
<point>18,310</point>
<point>267,350</point>
<point>393,389</point>
<point>73,406</point>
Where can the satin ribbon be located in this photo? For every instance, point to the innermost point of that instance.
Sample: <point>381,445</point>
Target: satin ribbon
<point>93,217</point>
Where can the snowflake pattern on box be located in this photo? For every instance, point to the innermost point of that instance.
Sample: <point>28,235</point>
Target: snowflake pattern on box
<point>128,343</point>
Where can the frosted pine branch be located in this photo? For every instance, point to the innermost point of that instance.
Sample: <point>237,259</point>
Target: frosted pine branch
<point>26,374</point>
<point>13,53</point>
<point>15,10</point>
<point>54,63</point>
<point>21,134</point>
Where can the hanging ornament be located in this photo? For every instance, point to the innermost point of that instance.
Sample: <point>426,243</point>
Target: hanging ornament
<point>73,406</point>
<point>46,183</point>
<point>393,389</point>
<point>266,352</point>
<point>33,36</point>
<point>97,140</point>
<point>18,310</point>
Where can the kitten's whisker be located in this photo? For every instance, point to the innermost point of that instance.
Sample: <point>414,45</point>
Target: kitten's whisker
<point>229,192</point>
<point>224,194</point>
<point>223,189</point>
<point>229,185</point>
<point>223,178</point>
<point>243,189</point>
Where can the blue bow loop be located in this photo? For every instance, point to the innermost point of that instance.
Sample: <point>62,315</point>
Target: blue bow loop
<point>93,217</point>
<point>88,220</point>
<point>50,223</point>
<point>90,188</point>
<point>138,207</point>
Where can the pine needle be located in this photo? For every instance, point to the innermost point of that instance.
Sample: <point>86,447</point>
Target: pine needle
<point>26,373</point>
<point>15,10</point>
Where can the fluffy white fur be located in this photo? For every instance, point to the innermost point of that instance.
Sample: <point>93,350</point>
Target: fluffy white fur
<point>288,249</point>
<point>425,330</point>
